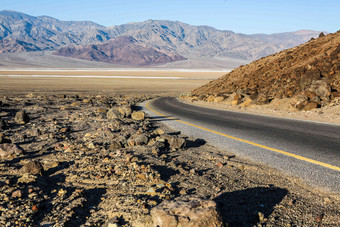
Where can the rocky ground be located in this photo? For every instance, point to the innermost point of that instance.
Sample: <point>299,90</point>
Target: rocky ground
<point>93,160</point>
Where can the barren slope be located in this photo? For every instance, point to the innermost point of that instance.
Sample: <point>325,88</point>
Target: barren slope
<point>309,73</point>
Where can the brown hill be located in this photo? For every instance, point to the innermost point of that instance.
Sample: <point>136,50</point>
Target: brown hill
<point>122,50</point>
<point>309,74</point>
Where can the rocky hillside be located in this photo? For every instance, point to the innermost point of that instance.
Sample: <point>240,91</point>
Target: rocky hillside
<point>123,50</point>
<point>308,74</point>
<point>47,32</point>
<point>170,36</point>
<point>13,46</point>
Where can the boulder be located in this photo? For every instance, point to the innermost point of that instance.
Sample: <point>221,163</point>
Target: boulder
<point>310,105</point>
<point>115,145</point>
<point>114,113</point>
<point>9,149</point>
<point>186,212</point>
<point>137,140</point>
<point>176,142</point>
<point>312,96</point>
<point>126,110</point>
<point>237,99</point>
<point>299,101</point>
<point>33,167</point>
<point>138,115</point>
<point>219,99</point>
<point>321,89</point>
<point>21,117</point>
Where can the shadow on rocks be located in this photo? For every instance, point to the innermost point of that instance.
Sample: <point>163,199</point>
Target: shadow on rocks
<point>165,172</point>
<point>93,198</point>
<point>194,143</point>
<point>241,208</point>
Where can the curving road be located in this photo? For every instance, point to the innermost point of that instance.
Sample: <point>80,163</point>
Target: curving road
<point>309,150</point>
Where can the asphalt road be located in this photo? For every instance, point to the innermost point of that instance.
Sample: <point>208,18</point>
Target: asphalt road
<point>305,149</point>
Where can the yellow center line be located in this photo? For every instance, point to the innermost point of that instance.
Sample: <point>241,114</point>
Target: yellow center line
<point>249,142</point>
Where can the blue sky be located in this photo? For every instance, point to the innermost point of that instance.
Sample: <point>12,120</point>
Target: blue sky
<point>244,16</point>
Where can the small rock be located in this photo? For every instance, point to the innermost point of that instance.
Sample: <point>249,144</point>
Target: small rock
<point>220,164</point>
<point>9,149</point>
<point>65,130</point>
<point>62,192</point>
<point>21,117</point>
<point>260,216</point>
<point>158,131</point>
<point>151,191</point>
<point>17,194</point>
<point>183,191</point>
<point>91,145</point>
<point>319,218</point>
<point>33,167</point>
<point>139,115</point>
<point>35,208</point>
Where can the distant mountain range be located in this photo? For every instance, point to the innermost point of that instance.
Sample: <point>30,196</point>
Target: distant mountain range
<point>155,41</point>
<point>123,50</point>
